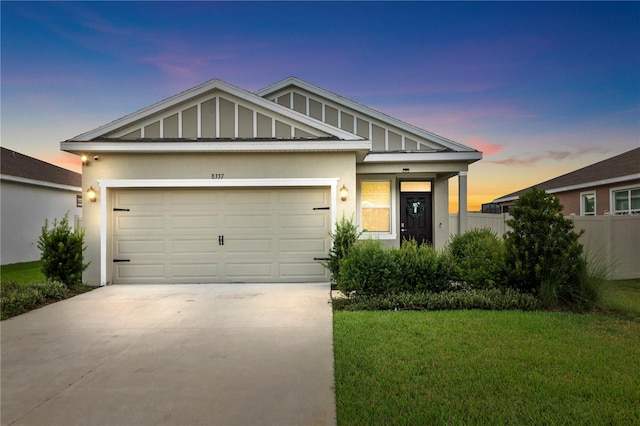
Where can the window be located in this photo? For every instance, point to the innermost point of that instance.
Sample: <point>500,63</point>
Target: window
<point>375,199</point>
<point>626,201</point>
<point>588,204</point>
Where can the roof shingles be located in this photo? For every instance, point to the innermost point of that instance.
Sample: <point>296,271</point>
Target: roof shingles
<point>13,163</point>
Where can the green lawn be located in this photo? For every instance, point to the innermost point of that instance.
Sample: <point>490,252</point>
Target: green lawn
<point>488,367</point>
<point>22,273</point>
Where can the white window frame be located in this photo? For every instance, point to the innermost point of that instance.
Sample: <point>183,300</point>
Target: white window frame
<point>382,235</point>
<point>583,212</point>
<point>612,199</point>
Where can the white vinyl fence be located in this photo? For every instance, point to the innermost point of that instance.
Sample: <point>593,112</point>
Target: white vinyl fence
<point>614,240</point>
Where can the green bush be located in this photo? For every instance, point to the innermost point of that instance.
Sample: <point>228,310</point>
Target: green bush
<point>345,235</point>
<point>542,246</point>
<point>369,269</point>
<point>422,268</point>
<point>61,252</point>
<point>16,299</point>
<point>479,258</point>
<point>486,299</point>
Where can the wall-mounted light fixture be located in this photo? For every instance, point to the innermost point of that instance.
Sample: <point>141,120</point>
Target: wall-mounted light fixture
<point>405,170</point>
<point>84,159</point>
<point>343,193</point>
<point>92,195</point>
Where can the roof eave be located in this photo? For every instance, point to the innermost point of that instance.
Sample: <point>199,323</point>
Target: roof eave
<point>413,157</point>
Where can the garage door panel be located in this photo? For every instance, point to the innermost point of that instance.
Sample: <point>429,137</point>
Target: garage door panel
<point>304,197</point>
<point>125,223</point>
<point>248,221</point>
<point>249,270</point>
<point>199,246</point>
<point>202,222</point>
<point>140,270</point>
<point>245,247</point>
<point>127,247</point>
<point>199,271</point>
<point>194,198</point>
<point>303,245</point>
<point>139,198</point>
<point>249,198</point>
<point>308,221</point>
<point>302,270</point>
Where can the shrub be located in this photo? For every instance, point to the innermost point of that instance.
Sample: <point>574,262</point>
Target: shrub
<point>542,249</point>
<point>61,252</point>
<point>16,299</point>
<point>345,235</point>
<point>368,269</point>
<point>479,258</point>
<point>486,299</point>
<point>422,268</point>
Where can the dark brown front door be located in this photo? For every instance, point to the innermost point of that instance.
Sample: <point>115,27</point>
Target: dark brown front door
<point>415,217</point>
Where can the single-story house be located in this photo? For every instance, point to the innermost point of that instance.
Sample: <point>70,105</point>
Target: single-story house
<point>33,191</point>
<point>219,184</point>
<point>610,186</point>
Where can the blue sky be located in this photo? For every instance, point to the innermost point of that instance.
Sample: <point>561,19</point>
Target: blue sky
<point>542,88</point>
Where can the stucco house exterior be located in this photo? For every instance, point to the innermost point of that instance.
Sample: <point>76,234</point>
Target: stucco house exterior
<point>219,184</point>
<point>610,186</point>
<point>31,192</point>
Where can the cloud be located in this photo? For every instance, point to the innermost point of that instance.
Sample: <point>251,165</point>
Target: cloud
<point>485,147</point>
<point>529,159</point>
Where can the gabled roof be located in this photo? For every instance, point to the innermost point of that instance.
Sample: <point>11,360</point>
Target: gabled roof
<point>201,89</point>
<point>296,82</point>
<point>14,164</point>
<point>621,168</point>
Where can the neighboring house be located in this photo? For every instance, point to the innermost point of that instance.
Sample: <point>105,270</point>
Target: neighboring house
<point>611,186</point>
<point>218,184</point>
<point>33,191</point>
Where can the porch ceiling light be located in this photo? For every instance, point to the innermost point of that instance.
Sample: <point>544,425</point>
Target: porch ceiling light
<point>91,194</point>
<point>84,159</point>
<point>343,193</point>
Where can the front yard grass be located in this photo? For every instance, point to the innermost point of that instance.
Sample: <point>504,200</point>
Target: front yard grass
<point>490,367</point>
<point>22,273</point>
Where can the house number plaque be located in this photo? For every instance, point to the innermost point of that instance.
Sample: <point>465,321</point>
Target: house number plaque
<point>217,175</point>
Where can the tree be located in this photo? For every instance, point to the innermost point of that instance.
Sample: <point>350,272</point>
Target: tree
<point>61,252</point>
<point>542,249</point>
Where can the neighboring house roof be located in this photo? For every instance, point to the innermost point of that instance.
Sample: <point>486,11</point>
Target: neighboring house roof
<point>621,168</point>
<point>20,167</point>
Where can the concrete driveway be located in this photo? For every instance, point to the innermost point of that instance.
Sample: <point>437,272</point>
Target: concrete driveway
<point>215,354</point>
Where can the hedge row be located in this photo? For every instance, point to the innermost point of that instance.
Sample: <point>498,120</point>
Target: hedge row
<point>17,299</point>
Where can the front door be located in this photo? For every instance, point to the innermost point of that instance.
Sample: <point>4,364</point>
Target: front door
<point>415,214</point>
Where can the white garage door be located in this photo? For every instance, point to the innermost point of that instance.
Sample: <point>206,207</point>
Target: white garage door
<point>220,235</point>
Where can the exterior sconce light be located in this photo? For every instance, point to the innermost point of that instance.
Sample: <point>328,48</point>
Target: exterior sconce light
<point>405,170</point>
<point>343,193</point>
<point>91,194</point>
<point>85,160</point>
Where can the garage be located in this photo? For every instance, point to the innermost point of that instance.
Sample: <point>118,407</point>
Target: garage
<point>208,235</point>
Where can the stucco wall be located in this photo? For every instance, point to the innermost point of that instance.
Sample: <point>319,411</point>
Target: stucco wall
<point>24,208</point>
<point>202,166</point>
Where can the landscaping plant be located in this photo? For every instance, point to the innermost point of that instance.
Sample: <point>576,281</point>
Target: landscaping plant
<point>543,254</point>
<point>61,252</point>
<point>478,258</point>
<point>345,235</point>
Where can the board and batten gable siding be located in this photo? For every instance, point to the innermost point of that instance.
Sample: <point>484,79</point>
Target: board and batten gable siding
<point>216,115</point>
<point>384,137</point>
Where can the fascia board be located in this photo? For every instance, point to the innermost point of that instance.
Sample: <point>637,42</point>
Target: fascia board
<point>585,185</point>
<point>204,88</point>
<point>411,157</point>
<point>262,146</point>
<point>364,110</point>
<point>42,183</point>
